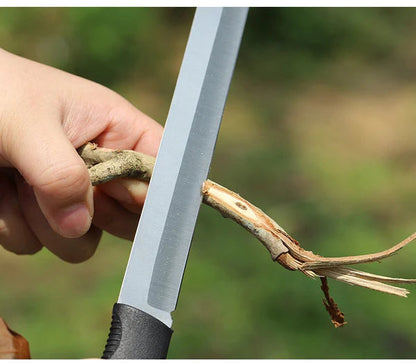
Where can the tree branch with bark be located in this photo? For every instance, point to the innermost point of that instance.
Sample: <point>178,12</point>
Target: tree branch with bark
<point>107,164</point>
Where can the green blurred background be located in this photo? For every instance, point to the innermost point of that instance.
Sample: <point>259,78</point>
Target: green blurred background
<point>319,131</point>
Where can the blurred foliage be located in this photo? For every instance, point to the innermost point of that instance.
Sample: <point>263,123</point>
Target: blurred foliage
<point>318,131</point>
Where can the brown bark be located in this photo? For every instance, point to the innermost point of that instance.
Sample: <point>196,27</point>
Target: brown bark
<point>106,164</point>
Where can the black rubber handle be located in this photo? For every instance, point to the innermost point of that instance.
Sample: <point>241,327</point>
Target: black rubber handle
<point>135,334</point>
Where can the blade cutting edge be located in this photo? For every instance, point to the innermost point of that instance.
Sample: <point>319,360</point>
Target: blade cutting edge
<point>158,257</point>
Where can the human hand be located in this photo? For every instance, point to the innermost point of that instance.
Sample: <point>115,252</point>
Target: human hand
<point>45,114</point>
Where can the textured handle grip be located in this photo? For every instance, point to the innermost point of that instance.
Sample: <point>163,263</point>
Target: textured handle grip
<point>135,334</point>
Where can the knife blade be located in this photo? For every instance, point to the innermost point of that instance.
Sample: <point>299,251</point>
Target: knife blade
<point>141,326</point>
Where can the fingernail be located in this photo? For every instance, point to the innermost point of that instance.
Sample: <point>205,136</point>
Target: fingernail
<point>73,221</point>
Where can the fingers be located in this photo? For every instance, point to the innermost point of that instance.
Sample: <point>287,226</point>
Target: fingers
<point>112,217</point>
<point>22,226</point>
<point>72,250</point>
<point>51,165</point>
<point>112,121</point>
<point>129,128</point>
<point>15,235</point>
<point>129,193</point>
<point>45,115</point>
<point>149,141</point>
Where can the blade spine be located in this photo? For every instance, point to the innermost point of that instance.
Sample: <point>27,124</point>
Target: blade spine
<point>125,296</point>
<point>204,89</point>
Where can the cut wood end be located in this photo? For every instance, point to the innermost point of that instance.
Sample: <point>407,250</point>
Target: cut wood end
<point>230,201</point>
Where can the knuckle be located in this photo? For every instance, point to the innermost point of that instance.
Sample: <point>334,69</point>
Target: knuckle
<point>64,182</point>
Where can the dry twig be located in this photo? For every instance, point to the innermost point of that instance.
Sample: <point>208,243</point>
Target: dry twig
<point>106,164</point>
<point>337,316</point>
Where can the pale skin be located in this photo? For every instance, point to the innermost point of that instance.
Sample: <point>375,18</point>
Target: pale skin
<point>46,197</point>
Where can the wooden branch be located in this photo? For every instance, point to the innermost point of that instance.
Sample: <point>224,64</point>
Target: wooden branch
<point>288,252</point>
<point>337,316</point>
<point>106,164</point>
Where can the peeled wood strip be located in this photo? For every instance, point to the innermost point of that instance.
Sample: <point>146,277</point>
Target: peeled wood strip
<point>395,280</point>
<point>344,275</point>
<point>372,277</point>
<point>353,260</point>
<point>282,247</point>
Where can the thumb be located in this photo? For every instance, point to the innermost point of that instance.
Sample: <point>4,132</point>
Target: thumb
<point>51,165</point>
